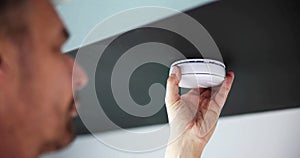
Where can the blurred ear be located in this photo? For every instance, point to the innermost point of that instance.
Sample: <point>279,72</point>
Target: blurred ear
<point>8,59</point>
<point>7,56</point>
<point>0,62</point>
<point>1,58</point>
<point>1,67</point>
<point>3,49</point>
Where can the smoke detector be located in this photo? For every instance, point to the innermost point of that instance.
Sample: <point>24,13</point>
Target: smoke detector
<point>200,73</point>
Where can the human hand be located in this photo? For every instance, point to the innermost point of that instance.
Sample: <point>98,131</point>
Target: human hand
<point>194,115</point>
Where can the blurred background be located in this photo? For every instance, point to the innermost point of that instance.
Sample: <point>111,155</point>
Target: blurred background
<point>258,40</point>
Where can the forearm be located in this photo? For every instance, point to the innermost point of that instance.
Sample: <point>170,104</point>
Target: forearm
<point>184,148</point>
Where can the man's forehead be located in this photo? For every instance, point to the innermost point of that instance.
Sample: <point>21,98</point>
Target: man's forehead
<point>46,15</point>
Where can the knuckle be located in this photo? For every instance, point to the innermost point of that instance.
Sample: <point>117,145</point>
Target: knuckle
<point>171,79</point>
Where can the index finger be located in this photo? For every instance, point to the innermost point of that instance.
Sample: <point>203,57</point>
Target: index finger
<point>221,95</point>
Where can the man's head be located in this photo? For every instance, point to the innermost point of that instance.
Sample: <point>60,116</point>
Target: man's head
<point>36,98</point>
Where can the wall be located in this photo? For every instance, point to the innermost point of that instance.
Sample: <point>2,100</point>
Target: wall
<point>263,135</point>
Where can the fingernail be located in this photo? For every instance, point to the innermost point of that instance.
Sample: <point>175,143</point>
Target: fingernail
<point>175,71</point>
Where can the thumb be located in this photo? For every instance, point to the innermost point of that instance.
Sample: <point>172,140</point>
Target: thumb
<point>172,93</point>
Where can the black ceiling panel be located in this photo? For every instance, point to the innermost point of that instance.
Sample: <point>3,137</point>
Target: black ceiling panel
<point>259,41</point>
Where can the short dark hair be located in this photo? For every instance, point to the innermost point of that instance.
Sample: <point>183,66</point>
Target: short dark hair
<point>12,21</point>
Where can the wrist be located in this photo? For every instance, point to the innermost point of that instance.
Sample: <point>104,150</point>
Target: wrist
<point>185,146</point>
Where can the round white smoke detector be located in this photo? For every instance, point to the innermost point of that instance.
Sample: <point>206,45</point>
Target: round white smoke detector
<point>204,73</point>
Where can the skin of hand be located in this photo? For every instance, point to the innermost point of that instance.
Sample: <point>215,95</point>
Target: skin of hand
<point>193,116</point>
